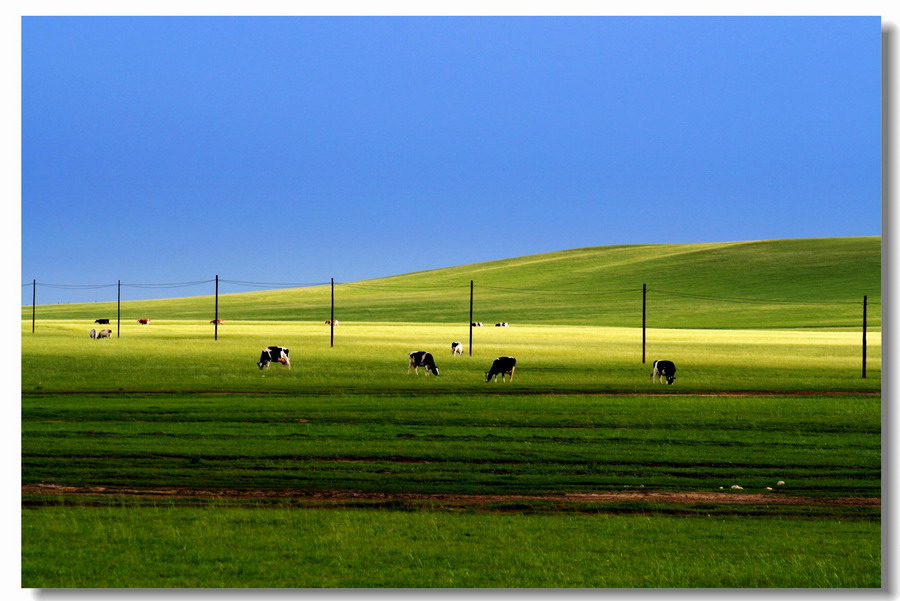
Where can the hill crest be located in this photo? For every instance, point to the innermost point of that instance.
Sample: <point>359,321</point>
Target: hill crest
<point>777,283</point>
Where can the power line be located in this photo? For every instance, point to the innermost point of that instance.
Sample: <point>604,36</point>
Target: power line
<point>72,286</point>
<point>559,290</point>
<point>401,287</point>
<point>414,288</point>
<point>752,300</point>
<point>171,285</point>
<point>273,284</point>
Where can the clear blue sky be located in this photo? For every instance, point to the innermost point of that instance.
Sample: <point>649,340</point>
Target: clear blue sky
<point>276,149</point>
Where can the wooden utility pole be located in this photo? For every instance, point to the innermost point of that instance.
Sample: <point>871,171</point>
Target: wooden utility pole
<point>332,312</point>
<point>471,307</point>
<point>865,324</point>
<point>33,300</point>
<point>216,320</point>
<point>119,309</point>
<point>644,326</point>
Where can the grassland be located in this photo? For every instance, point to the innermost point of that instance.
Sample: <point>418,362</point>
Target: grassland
<point>779,284</point>
<point>164,458</point>
<point>291,548</point>
<point>367,358</point>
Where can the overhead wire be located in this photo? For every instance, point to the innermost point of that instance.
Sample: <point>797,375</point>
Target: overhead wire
<point>273,284</point>
<point>169,285</point>
<point>414,288</point>
<point>751,300</point>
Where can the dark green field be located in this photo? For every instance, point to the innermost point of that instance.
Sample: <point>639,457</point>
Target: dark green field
<point>426,444</point>
<point>148,464</point>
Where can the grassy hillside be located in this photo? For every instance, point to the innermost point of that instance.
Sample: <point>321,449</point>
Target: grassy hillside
<point>768,284</point>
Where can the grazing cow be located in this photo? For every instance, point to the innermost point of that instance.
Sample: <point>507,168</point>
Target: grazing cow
<point>217,321</point>
<point>274,353</point>
<point>104,333</point>
<point>663,369</point>
<point>501,366</point>
<point>144,321</point>
<point>456,348</point>
<point>92,333</point>
<point>101,322</point>
<point>328,322</point>
<point>424,359</point>
<point>477,324</point>
<point>502,324</point>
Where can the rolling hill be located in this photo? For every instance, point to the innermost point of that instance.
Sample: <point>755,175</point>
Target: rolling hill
<point>796,283</point>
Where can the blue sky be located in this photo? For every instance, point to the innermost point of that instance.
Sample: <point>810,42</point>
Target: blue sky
<point>278,149</point>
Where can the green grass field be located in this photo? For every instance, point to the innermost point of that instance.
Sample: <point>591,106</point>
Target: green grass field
<point>777,284</point>
<point>164,458</point>
<point>225,546</point>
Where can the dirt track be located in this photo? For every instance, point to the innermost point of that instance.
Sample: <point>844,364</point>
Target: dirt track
<point>724,497</point>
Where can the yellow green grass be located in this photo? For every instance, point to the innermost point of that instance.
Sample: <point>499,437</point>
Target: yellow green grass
<point>809,283</point>
<point>182,356</point>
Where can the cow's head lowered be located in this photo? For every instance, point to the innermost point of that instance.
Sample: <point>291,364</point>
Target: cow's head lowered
<point>274,354</point>
<point>502,366</point>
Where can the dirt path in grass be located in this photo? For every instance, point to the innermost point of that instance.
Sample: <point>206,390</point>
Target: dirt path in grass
<point>724,497</point>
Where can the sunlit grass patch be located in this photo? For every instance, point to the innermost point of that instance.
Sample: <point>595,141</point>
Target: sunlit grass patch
<point>372,357</point>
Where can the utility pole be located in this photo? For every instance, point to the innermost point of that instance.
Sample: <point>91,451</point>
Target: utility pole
<point>644,327</point>
<point>216,320</point>
<point>471,306</point>
<point>119,309</point>
<point>33,300</point>
<point>865,324</point>
<point>332,312</point>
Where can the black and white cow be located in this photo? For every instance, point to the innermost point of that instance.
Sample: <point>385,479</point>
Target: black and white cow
<point>456,348</point>
<point>101,321</point>
<point>424,359</point>
<point>502,324</point>
<point>477,324</point>
<point>501,367</point>
<point>104,333</point>
<point>274,353</point>
<point>663,369</point>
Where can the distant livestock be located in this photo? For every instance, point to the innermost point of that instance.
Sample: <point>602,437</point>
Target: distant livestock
<point>272,354</point>
<point>502,324</point>
<point>217,322</point>
<point>101,321</point>
<point>144,322</point>
<point>663,369</point>
<point>456,348</point>
<point>104,333</point>
<point>502,367</point>
<point>477,324</point>
<point>92,333</point>
<point>424,359</point>
<point>328,322</point>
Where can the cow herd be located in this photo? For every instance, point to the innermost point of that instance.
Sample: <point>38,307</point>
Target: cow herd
<point>501,366</point>
<point>104,333</point>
